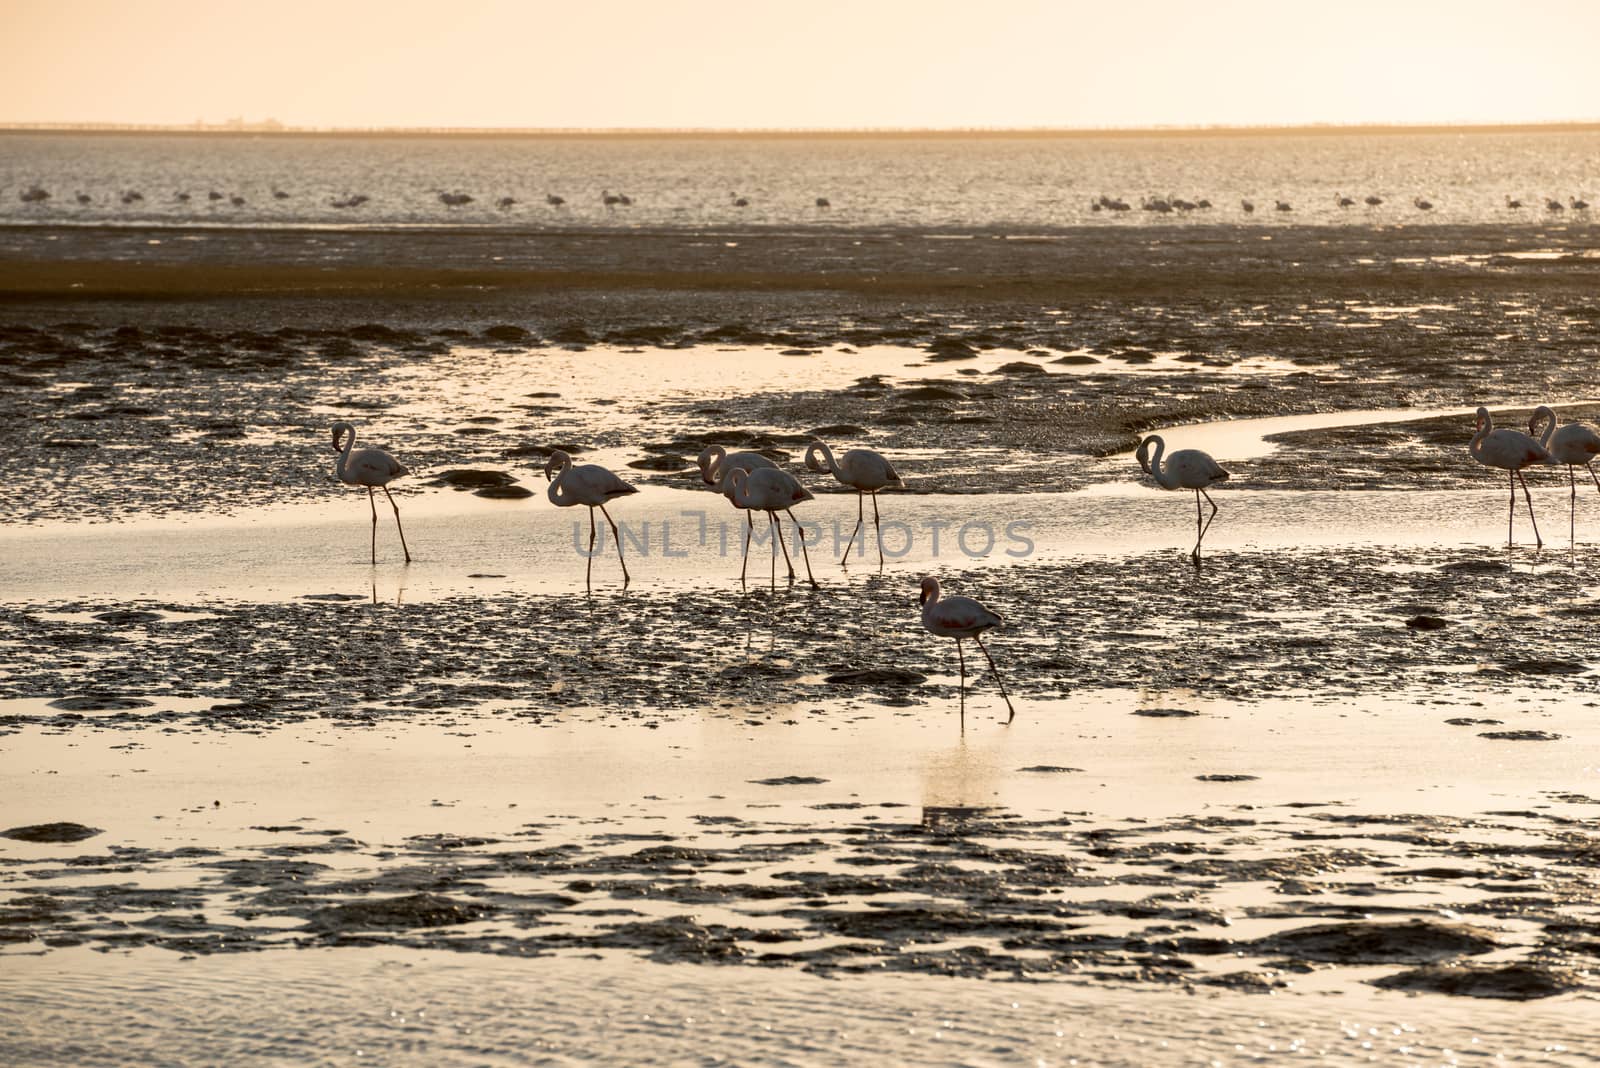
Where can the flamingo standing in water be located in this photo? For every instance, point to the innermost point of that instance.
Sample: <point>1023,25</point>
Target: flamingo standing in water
<point>1511,451</point>
<point>1184,469</point>
<point>769,490</point>
<point>716,469</point>
<point>374,469</point>
<point>590,485</point>
<point>1573,444</point>
<point>958,618</point>
<point>864,471</point>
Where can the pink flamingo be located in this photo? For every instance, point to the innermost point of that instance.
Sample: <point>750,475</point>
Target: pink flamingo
<point>590,485</point>
<point>769,490</point>
<point>958,618</point>
<point>372,468</point>
<point>864,471</point>
<point>1511,451</point>
<point>1185,469</point>
<point>1573,444</point>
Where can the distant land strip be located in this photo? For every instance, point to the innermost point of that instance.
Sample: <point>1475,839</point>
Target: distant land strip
<point>272,129</point>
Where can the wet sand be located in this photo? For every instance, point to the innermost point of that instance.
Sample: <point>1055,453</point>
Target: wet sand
<point>1348,761</point>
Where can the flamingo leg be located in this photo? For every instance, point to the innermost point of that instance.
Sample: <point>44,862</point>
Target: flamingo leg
<point>750,529</point>
<point>777,532</point>
<point>588,569</point>
<point>1210,517</point>
<point>373,501</point>
<point>961,660</point>
<point>1538,542</point>
<point>1511,480</point>
<point>626,578</point>
<point>1589,464</point>
<point>800,535</point>
<point>1572,513</point>
<point>861,517</point>
<point>997,678</point>
<point>877,528</point>
<point>397,526</point>
<point>776,535</point>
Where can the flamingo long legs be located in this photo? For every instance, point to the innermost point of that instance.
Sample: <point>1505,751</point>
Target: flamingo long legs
<point>799,533</point>
<point>1199,527</point>
<point>861,516</point>
<point>961,660</point>
<point>588,569</point>
<point>372,500</point>
<point>626,578</point>
<point>877,528</point>
<point>1515,477</point>
<point>397,526</point>
<point>997,678</point>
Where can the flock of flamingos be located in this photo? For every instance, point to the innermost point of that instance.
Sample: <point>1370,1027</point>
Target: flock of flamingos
<point>37,194</point>
<point>753,483</point>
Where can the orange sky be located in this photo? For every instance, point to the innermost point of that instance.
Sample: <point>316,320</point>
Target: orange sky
<point>818,63</point>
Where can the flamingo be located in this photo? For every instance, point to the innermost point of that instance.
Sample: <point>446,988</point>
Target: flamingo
<point>1247,207</point>
<point>958,618</point>
<point>716,469</point>
<point>768,489</point>
<point>1551,204</point>
<point>823,202</point>
<point>1372,200</point>
<point>182,198</point>
<point>1282,205</point>
<point>609,199</point>
<point>84,198</point>
<point>739,201</point>
<point>236,200</point>
<point>1185,469</point>
<point>1512,205</point>
<point>372,468</point>
<point>506,203</point>
<point>1512,451</point>
<point>1344,201</point>
<point>864,471</point>
<point>590,485</point>
<point>1572,444</point>
<point>279,194</point>
<point>1578,205</point>
<point>1421,204</point>
<point>553,200</point>
<point>34,194</point>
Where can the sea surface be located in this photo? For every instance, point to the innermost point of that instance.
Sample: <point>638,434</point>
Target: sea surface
<point>1016,185</point>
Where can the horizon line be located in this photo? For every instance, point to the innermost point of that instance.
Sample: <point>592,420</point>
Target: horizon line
<point>273,128</point>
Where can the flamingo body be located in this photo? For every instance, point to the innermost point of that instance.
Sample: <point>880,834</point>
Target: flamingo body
<point>1185,469</point>
<point>374,469</point>
<point>1511,451</point>
<point>770,490</point>
<point>961,618</point>
<point>590,485</point>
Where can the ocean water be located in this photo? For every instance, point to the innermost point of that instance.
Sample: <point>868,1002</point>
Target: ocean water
<point>1016,185</point>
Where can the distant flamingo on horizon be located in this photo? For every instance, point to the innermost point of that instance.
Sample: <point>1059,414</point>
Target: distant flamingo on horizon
<point>374,469</point>
<point>961,618</point>
<point>1511,451</point>
<point>1572,444</point>
<point>1184,469</point>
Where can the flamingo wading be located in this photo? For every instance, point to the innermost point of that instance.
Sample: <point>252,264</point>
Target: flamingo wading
<point>864,471</point>
<point>960,618</point>
<point>769,490</point>
<point>374,469</point>
<point>1511,451</point>
<point>1184,469</point>
<point>716,469</point>
<point>590,485</point>
<point>1572,444</point>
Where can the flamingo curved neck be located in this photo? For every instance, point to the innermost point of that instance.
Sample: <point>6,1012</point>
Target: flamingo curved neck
<point>344,457</point>
<point>1485,428</point>
<point>1547,416</point>
<point>827,458</point>
<point>1155,463</point>
<point>559,492</point>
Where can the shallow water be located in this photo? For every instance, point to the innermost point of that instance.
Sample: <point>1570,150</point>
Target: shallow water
<point>1024,185</point>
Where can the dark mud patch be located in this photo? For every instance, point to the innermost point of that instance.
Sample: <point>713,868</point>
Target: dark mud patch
<point>1515,982</point>
<point>1227,777</point>
<point>100,703</point>
<point>51,832</point>
<point>789,780</point>
<point>1416,942</point>
<point>411,910</point>
<point>1166,713</point>
<point>1049,769</point>
<point>1522,736</point>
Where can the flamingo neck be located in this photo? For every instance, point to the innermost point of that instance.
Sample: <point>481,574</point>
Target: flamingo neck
<point>1485,428</point>
<point>559,492</point>
<point>344,457</point>
<point>1155,462</point>
<point>827,458</point>
<point>1547,416</point>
